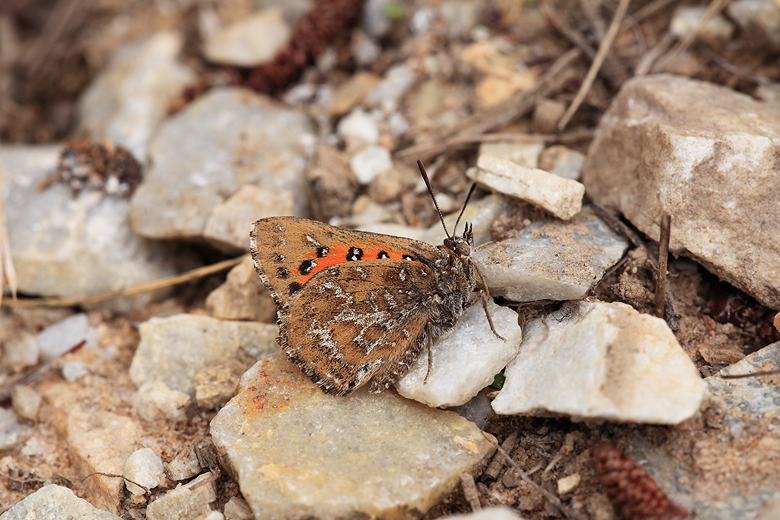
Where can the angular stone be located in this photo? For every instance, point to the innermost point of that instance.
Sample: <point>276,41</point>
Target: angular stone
<point>242,297</point>
<point>228,138</point>
<point>551,260</point>
<point>332,184</point>
<point>216,383</point>
<point>350,93</point>
<point>370,162</point>
<point>227,228</point>
<point>26,402</point>
<point>184,464</point>
<point>358,129</point>
<point>101,441</point>
<point>127,101</point>
<point>602,360</point>
<point>388,93</point>
<point>299,452</point>
<point>562,161</point>
<point>54,502</point>
<point>185,502</point>
<point>71,246</point>
<point>61,337</point>
<point>155,400</point>
<point>251,41</point>
<point>11,432</point>
<point>480,214</point>
<point>466,360</point>
<point>143,467</point>
<point>561,197</point>
<point>490,513</point>
<point>707,156</point>
<point>524,154</point>
<point>173,349</point>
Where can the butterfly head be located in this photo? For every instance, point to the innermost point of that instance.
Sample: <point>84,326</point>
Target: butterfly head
<point>461,245</point>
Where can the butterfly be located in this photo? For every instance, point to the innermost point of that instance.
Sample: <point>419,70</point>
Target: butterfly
<point>356,307</point>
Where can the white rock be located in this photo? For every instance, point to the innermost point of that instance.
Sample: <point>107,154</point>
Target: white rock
<point>490,513</point>
<point>128,100</point>
<point>562,161</point>
<point>52,502</point>
<point>238,509</point>
<point>686,19</point>
<point>155,400</point>
<point>567,484</point>
<point>602,360</point>
<point>561,197</point>
<point>524,154</point>
<point>760,17</point>
<point>370,162</point>
<point>466,360</point>
<point>358,129</point>
<point>21,350</point>
<point>552,260</point>
<point>143,467</point>
<point>62,336</point>
<point>73,370</point>
<point>184,464</point>
<point>187,501</point>
<point>249,42</point>
<point>398,80</point>
<point>480,214</point>
<point>26,402</point>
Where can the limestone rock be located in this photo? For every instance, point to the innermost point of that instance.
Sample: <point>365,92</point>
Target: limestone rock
<point>52,502</point>
<point>249,42</point>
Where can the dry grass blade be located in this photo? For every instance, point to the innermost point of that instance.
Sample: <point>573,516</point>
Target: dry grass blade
<point>590,77</point>
<point>7,270</point>
<point>663,257</point>
<point>194,274</point>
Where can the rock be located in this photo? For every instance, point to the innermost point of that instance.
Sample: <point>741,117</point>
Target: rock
<point>64,335</point>
<point>547,113</point>
<point>237,509</point>
<point>459,17</point>
<point>184,464</point>
<point>777,321</point>
<point>561,197</point>
<point>298,451</point>
<point>465,361</point>
<point>480,214</point>
<point>551,260</point>
<point>101,441</point>
<point>524,154</point>
<point>705,155</point>
<point>11,432</point>
<point>227,228</point>
<point>370,162</point>
<point>771,510</point>
<point>73,370</point>
<point>226,139</point>
<point>127,101</point>
<point>173,349</point>
<point>365,212</point>
<point>243,296</point>
<point>562,161</point>
<point>504,74</point>
<point>567,484</point>
<point>71,246</point>
<point>389,186</point>
<point>752,396</point>
<point>52,502</point>
<point>375,20</point>
<point>155,400</point>
<point>185,502</point>
<point>332,184</point>
<point>358,130</point>
<point>389,92</point>
<point>687,18</point>
<point>20,350</point>
<point>216,383</point>
<point>251,41</point>
<point>477,410</point>
<point>26,402</point>
<point>143,467</point>
<point>602,360</point>
<point>352,92</point>
<point>759,18</point>
<point>489,513</point>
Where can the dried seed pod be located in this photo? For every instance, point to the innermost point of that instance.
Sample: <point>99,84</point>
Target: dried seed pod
<point>632,491</point>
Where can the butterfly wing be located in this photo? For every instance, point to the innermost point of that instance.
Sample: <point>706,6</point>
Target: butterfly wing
<point>289,251</point>
<point>358,322</point>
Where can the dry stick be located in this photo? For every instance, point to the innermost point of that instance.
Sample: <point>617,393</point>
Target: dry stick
<point>568,137</point>
<point>498,461</point>
<point>667,61</point>
<point>194,274</point>
<point>663,258</point>
<point>498,115</point>
<point>734,69</point>
<point>590,77</point>
<point>646,63</point>
<point>7,269</point>
<point>751,374</point>
<point>470,491</point>
<point>555,501</point>
<point>114,475</point>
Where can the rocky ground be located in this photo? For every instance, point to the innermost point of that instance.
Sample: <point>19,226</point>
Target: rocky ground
<point>133,352</point>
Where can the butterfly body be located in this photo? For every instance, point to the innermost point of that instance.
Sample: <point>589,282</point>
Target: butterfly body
<point>355,307</point>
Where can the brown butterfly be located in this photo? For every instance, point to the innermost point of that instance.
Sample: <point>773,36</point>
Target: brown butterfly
<point>357,307</point>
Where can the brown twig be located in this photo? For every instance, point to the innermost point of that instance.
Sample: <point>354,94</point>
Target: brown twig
<point>470,491</point>
<point>663,258</point>
<point>590,77</point>
<point>646,63</point>
<point>194,274</point>
<point>497,464</point>
<point>751,374</point>
<point>498,115</point>
<point>114,475</point>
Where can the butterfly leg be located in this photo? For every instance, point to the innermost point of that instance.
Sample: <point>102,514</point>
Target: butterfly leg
<point>429,340</point>
<point>485,294</point>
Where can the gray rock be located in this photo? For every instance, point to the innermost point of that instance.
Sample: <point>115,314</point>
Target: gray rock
<point>226,139</point>
<point>143,467</point>
<point>184,464</point>
<point>73,370</point>
<point>760,18</point>
<point>687,19</point>
<point>61,337</point>
<point>297,451</point>
<point>707,156</point>
<point>185,502</point>
<point>237,509</point>
<point>358,129</point>
<point>129,98</point>
<point>551,260</point>
<point>71,246</point>
<point>370,162</point>
<point>375,20</point>
<point>20,349</point>
<point>388,93</point>
<point>243,296</point>
<point>173,349</point>
<point>251,41</point>
<point>524,154</point>
<point>54,502</point>
<point>155,400</point>
<point>602,360</point>
<point>216,383</point>
<point>11,432</point>
<point>465,361</point>
<point>562,161</point>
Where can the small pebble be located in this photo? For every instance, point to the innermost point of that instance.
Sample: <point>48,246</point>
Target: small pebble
<point>26,402</point>
<point>370,162</point>
<point>567,484</point>
<point>64,335</point>
<point>155,400</point>
<point>145,468</point>
<point>73,370</point>
<point>184,465</point>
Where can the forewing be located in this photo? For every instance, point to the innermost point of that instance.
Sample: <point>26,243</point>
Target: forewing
<point>358,322</point>
<point>289,251</point>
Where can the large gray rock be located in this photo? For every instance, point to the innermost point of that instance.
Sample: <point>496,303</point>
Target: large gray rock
<point>54,502</point>
<point>707,156</point>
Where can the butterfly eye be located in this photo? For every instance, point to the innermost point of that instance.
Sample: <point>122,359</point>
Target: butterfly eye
<point>463,249</point>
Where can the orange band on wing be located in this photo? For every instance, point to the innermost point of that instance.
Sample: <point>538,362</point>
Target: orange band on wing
<point>339,253</point>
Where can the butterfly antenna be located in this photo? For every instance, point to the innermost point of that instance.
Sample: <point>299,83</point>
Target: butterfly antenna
<point>463,209</point>
<point>430,190</point>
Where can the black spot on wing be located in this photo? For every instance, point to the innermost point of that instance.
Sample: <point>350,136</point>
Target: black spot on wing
<point>382,254</point>
<point>307,266</point>
<point>322,252</point>
<point>283,273</point>
<point>294,288</point>
<point>354,254</point>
